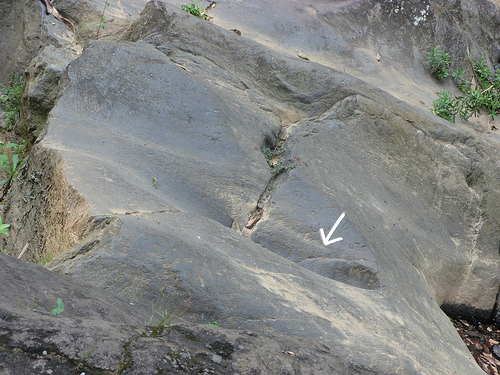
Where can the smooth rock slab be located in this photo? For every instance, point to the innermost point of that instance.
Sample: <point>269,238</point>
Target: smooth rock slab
<point>132,124</point>
<point>241,285</point>
<point>298,211</point>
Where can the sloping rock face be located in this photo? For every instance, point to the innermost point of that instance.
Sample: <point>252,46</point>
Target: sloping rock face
<point>150,176</point>
<point>93,327</point>
<point>98,333</point>
<point>348,35</point>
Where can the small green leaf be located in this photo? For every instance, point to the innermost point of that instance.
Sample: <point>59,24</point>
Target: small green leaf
<point>3,227</point>
<point>6,169</point>
<point>59,307</point>
<point>15,160</point>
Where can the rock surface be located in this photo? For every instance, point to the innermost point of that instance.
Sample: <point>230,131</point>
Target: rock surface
<point>98,333</point>
<point>148,175</point>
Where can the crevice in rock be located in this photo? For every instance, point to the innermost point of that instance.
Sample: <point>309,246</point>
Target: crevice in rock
<point>465,311</point>
<point>126,362</point>
<point>275,157</point>
<point>42,89</point>
<point>141,213</point>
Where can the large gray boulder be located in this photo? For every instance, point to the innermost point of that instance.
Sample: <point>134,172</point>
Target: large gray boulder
<point>149,177</point>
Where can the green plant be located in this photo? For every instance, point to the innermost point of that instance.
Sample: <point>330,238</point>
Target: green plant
<point>9,162</point>
<point>458,78</point>
<point>482,92</point>
<point>212,324</point>
<point>10,99</point>
<point>11,167</point>
<point>480,87</point>
<point>445,106</point>
<point>162,316</point>
<point>481,70</point>
<point>59,307</point>
<point>102,24</point>
<point>439,62</point>
<point>3,227</point>
<point>279,168</point>
<point>274,153</point>
<point>195,10</point>
<point>16,148</point>
<point>271,155</point>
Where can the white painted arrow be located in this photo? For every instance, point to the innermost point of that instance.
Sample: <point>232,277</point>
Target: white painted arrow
<point>326,240</point>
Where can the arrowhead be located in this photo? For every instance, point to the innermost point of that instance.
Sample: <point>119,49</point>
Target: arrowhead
<point>326,239</point>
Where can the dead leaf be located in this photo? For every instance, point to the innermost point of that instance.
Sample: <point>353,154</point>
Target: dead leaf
<point>464,322</point>
<point>251,223</point>
<point>490,359</point>
<point>48,6</point>
<point>473,84</point>
<point>182,67</point>
<point>236,31</point>
<point>378,57</point>
<point>482,327</point>
<point>273,161</point>
<point>50,9</point>
<point>302,56</point>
